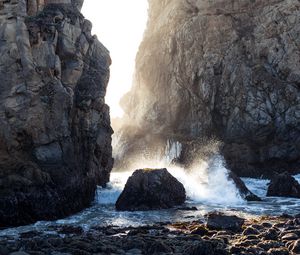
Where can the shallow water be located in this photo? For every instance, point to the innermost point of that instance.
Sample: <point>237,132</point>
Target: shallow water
<point>102,211</point>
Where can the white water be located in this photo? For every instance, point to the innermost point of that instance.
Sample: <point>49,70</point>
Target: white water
<point>172,151</point>
<point>103,213</point>
<point>206,183</point>
<point>207,189</point>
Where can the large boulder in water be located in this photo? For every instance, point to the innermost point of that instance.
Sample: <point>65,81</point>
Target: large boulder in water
<point>149,189</point>
<point>284,185</point>
<point>243,190</point>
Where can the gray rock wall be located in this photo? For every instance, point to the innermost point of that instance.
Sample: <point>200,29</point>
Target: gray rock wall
<point>55,135</point>
<point>227,69</point>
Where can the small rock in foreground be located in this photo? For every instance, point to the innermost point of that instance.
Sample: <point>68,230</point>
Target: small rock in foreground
<point>220,221</point>
<point>150,189</point>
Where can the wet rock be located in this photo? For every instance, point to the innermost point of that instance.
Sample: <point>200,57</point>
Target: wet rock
<point>250,231</point>
<point>59,253</point>
<point>257,226</point>
<point>30,234</point>
<point>176,238</point>
<point>200,230</point>
<point>3,250</point>
<point>270,234</point>
<point>286,216</point>
<point>290,236</point>
<point>255,250</point>
<point>236,250</point>
<point>266,224</point>
<point>247,243</point>
<point>269,244</point>
<point>19,253</point>
<point>284,185</point>
<point>68,229</point>
<point>278,251</point>
<point>251,237</point>
<point>295,248</point>
<point>243,190</point>
<point>158,247</point>
<point>205,248</point>
<point>221,221</point>
<point>133,252</point>
<point>55,242</point>
<point>149,189</point>
<point>193,208</point>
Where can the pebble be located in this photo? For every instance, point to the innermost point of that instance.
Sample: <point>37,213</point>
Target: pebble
<point>180,238</point>
<point>290,236</point>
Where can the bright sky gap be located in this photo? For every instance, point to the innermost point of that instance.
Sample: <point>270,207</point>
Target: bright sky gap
<point>119,25</point>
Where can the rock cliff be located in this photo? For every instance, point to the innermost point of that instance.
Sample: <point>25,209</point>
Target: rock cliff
<point>222,69</point>
<point>55,136</point>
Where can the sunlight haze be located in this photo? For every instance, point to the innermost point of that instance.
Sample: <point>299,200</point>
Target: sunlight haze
<point>119,25</point>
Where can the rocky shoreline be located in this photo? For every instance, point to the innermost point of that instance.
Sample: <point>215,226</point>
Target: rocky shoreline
<point>257,235</point>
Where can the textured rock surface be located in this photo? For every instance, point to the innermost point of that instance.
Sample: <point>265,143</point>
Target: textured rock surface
<point>243,190</point>
<point>149,189</point>
<point>284,185</point>
<point>228,69</point>
<point>55,136</point>
<point>220,221</point>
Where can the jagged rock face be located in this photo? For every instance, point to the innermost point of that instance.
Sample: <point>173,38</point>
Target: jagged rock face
<point>55,136</point>
<point>228,69</point>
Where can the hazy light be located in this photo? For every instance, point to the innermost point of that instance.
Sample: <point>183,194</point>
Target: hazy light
<point>119,25</point>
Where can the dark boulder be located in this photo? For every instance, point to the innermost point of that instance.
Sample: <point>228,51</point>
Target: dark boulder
<point>149,189</point>
<point>206,248</point>
<point>284,185</point>
<point>243,190</point>
<point>220,221</point>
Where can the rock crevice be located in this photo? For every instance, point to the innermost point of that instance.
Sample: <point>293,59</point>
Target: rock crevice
<point>223,69</point>
<point>55,136</point>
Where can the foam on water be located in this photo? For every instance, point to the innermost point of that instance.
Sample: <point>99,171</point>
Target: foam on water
<point>207,187</point>
<point>205,183</point>
<point>114,188</point>
<point>172,151</point>
<point>208,183</point>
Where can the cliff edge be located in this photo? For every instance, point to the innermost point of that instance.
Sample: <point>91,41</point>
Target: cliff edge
<point>222,69</point>
<point>55,136</point>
